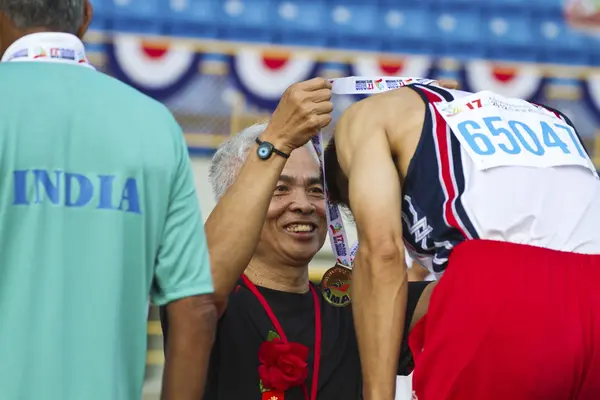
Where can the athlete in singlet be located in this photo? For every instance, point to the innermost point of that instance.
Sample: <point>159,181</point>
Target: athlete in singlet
<point>500,200</point>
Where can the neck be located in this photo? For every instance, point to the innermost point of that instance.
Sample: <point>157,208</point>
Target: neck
<point>277,277</point>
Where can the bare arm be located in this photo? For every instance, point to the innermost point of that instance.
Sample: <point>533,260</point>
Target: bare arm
<point>234,226</point>
<point>238,218</point>
<point>192,321</point>
<point>379,289</point>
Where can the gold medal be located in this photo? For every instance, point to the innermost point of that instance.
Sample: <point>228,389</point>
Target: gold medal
<point>336,285</point>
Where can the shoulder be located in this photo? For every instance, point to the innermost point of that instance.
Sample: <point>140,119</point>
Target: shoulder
<point>386,109</point>
<point>126,94</point>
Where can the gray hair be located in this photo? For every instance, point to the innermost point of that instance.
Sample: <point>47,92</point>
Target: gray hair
<point>57,15</point>
<point>232,154</point>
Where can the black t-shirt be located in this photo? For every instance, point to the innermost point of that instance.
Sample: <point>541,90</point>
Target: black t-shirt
<point>233,372</point>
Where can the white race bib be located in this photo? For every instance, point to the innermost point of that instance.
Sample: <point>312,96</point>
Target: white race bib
<point>497,131</point>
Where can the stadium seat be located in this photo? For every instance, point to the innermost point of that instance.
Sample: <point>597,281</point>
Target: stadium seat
<point>191,18</point>
<point>456,33</point>
<point>246,20</point>
<point>354,27</point>
<point>406,29</point>
<point>562,44</point>
<point>300,22</point>
<point>508,28</point>
<point>554,6</point>
<point>141,16</point>
<point>102,15</point>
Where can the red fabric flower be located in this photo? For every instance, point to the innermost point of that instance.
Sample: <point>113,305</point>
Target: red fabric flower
<point>283,365</point>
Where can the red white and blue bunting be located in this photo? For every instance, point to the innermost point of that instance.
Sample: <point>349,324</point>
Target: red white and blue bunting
<point>263,76</point>
<point>524,81</point>
<point>591,94</point>
<point>155,69</point>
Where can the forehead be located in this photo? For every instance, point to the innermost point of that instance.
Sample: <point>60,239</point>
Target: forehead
<point>302,164</point>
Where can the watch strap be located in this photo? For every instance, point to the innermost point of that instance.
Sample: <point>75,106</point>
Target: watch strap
<point>275,150</point>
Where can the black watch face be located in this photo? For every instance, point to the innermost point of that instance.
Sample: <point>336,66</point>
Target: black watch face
<point>265,150</point>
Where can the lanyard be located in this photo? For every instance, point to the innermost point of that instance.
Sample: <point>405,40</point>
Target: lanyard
<point>345,254</point>
<point>317,351</point>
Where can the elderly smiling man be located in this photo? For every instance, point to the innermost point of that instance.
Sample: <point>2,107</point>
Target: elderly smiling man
<point>267,226</point>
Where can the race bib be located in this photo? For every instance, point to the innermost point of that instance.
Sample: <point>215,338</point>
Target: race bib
<point>496,131</point>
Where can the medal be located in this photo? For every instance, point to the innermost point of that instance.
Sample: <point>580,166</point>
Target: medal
<point>336,285</point>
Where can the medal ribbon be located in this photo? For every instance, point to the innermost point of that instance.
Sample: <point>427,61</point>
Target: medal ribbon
<point>352,85</point>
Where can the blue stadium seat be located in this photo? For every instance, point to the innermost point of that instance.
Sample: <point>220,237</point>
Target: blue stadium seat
<point>246,20</point>
<point>301,22</point>
<point>406,3</point>
<point>102,15</point>
<point>456,33</point>
<point>142,16</point>
<point>101,7</point>
<point>192,18</point>
<point>354,26</point>
<point>508,28</point>
<point>406,29</point>
<point>554,6</point>
<point>453,3</point>
<point>562,44</point>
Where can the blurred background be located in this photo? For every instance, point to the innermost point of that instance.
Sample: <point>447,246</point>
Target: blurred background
<point>221,65</point>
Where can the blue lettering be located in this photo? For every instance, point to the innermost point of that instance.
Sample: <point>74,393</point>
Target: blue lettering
<point>43,177</point>
<point>497,131</point>
<point>85,193</point>
<point>515,125</point>
<point>334,212</point>
<point>574,139</point>
<point>551,139</point>
<point>465,130</point>
<point>130,194</point>
<point>340,247</point>
<point>20,188</point>
<point>79,190</point>
<point>106,192</point>
<point>519,135</point>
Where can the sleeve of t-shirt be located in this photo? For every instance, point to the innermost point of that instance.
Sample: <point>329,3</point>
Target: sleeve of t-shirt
<point>182,266</point>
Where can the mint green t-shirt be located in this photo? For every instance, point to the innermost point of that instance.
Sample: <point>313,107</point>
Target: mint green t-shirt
<point>98,211</point>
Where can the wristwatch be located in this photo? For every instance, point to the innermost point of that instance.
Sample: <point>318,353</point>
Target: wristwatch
<point>265,149</point>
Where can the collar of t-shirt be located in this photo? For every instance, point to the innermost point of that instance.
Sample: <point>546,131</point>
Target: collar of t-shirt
<point>54,47</point>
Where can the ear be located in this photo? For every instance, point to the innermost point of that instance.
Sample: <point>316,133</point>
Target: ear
<point>88,13</point>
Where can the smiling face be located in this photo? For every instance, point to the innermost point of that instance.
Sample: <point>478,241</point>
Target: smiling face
<point>295,225</point>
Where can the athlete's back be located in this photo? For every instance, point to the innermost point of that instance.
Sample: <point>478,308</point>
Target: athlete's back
<point>491,189</point>
<point>504,170</point>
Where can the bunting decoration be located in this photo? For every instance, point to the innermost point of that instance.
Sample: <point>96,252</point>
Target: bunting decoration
<point>157,69</point>
<point>591,94</point>
<point>165,69</point>
<point>523,81</point>
<point>263,76</point>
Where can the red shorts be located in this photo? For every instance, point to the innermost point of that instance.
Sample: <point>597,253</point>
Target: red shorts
<point>511,322</point>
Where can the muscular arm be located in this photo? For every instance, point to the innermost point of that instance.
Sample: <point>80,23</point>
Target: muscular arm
<point>379,276</point>
<point>234,226</point>
<point>192,321</point>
